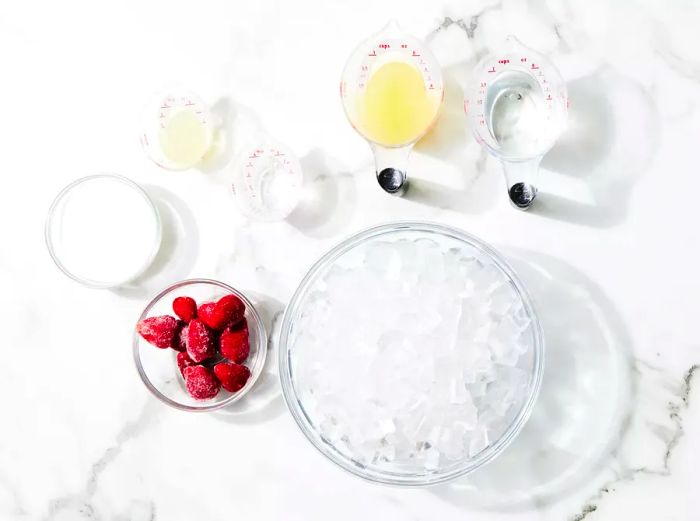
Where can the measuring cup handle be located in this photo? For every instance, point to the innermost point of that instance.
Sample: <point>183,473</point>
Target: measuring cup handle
<point>522,181</point>
<point>390,166</point>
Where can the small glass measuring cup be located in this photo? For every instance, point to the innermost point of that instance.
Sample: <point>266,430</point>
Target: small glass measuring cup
<point>177,129</point>
<point>517,108</point>
<point>392,90</point>
<point>267,180</point>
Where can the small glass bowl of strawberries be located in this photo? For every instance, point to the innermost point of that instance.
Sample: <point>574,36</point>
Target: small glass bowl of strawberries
<point>199,345</point>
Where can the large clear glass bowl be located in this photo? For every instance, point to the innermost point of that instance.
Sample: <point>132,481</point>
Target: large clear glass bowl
<point>407,475</point>
<point>157,367</point>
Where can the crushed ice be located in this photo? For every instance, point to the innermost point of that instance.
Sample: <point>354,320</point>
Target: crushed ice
<point>412,355</point>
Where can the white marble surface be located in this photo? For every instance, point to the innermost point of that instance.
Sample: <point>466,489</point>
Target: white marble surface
<point>611,254</point>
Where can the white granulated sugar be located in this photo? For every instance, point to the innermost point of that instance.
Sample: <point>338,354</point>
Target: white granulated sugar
<point>410,354</point>
<point>104,231</point>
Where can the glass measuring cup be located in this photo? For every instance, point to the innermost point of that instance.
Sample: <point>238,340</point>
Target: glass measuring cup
<point>177,129</point>
<point>392,89</point>
<point>267,181</point>
<point>517,108</point>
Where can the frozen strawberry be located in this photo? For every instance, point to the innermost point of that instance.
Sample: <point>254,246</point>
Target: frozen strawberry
<point>159,331</point>
<point>232,376</point>
<point>185,308</point>
<point>234,343</point>
<point>242,324</point>
<point>184,360</point>
<point>201,382</point>
<point>229,310</point>
<point>205,312</point>
<point>180,340</point>
<point>200,341</point>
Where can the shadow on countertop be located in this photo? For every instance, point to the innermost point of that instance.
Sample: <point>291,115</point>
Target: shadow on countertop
<point>476,190</point>
<point>329,197</point>
<point>584,404</point>
<point>264,401</point>
<point>611,140</point>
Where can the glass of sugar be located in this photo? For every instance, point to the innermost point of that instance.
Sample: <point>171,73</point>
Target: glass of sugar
<point>411,354</point>
<point>103,230</point>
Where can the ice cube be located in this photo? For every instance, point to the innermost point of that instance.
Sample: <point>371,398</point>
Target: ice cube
<point>432,459</point>
<point>479,440</point>
<point>502,297</point>
<point>382,258</point>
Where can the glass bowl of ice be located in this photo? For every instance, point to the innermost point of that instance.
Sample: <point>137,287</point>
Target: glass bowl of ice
<point>411,354</point>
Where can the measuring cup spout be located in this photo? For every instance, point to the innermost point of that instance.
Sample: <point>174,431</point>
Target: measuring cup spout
<point>390,166</point>
<point>522,181</point>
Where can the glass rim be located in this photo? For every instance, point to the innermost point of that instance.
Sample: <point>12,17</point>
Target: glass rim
<point>89,282</point>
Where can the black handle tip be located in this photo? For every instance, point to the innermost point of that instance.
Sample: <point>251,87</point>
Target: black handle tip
<point>393,181</point>
<point>522,195</point>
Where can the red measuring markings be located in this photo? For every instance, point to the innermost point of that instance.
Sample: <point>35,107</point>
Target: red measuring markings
<point>523,59</point>
<point>493,69</point>
<point>278,153</point>
<point>189,103</point>
<point>414,53</point>
<point>549,97</point>
<point>503,62</point>
<point>384,46</point>
<point>534,67</point>
<point>404,46</point>
<point>431,87</point>
<point>165,106</point>
<point>145,139</point>
<point>373,53</point>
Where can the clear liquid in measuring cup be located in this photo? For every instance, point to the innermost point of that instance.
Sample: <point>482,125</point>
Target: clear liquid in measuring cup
<point>516,113</point>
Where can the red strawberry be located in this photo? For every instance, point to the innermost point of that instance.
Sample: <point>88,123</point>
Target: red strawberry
<point>228,310</point>
<point>185,308</point>
<point>243,324</point>
<point>183,361</point>
<point>180,340</point>
<point>232,376</point>
<point>201,383</point>
<point>159,331</point>
<point>204,313</point>
<point>234,343</point>
<point>200,341</point>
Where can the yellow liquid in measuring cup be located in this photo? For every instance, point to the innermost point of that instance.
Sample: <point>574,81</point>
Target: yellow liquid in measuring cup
<point>184,139</point>
<point>396,108</point>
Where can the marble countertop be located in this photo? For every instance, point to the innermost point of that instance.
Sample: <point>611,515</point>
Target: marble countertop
<point>610,254</point>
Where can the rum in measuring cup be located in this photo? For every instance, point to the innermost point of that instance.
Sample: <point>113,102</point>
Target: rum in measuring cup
<point>516,114</point>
